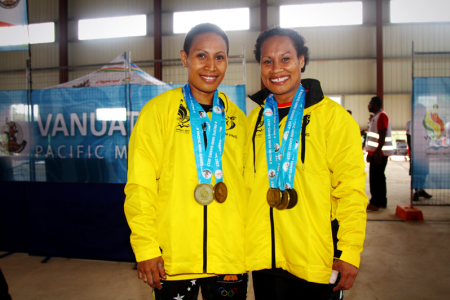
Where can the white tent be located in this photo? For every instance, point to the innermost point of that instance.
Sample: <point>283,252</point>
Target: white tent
<point>112,74</point>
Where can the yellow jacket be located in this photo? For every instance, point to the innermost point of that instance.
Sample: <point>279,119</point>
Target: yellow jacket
<point>160,207</point>
<point>330,186</point>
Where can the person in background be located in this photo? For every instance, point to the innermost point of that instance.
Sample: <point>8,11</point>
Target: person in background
<point>305,174</point>
<point>364,132</point>
<point>349,111</point>
<point>185,195</point>
<point>421,179</point>
<point>379,148</point>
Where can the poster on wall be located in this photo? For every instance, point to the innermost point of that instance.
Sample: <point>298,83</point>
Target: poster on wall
<point>431,133</point>
<point>13,25</point>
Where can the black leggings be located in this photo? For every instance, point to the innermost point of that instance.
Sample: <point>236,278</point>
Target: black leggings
<point>272,287</point>
<point>216,287</point>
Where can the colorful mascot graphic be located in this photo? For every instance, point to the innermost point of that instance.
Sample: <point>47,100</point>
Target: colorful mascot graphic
<point>433,124</point>
<point>230,278</point>
<point>11,141</point>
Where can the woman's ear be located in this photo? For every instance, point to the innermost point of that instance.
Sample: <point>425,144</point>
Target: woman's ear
<point>183,55</point>
<point>302,61</point>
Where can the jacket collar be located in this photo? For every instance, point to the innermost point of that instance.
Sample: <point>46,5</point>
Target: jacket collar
<point>313,96</point>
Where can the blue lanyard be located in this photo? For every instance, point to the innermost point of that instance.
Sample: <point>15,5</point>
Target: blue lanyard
<point>282,159</point>
<point>208,161</point>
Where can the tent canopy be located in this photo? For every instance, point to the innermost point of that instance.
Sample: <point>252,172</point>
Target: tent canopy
<point>112,74</point>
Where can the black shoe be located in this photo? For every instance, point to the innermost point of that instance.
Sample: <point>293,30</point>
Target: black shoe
<point>416,196</point>
<point>424,194</point>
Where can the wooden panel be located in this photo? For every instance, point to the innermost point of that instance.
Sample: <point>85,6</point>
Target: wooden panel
<point>43,11</point>
<point>343,77</point>
<point>105,50</point>
<point>87,9</point>
<point>427,37</point>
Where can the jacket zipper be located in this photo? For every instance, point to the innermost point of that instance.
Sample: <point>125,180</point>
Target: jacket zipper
<point>272,229</point>
<point>205,214</point>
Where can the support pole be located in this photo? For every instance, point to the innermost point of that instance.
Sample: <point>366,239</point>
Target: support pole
<point>263,22</point>
<point>379,43</point>
<point>63,44</point>
<point>157,38</point>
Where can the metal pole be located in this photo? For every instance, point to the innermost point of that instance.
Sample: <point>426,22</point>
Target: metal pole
<point>63,41</point>
<point>263,23</point>
<point>379,46</point>
<point>157,37</point>
<point>243,65</point>
<point>412,125</point>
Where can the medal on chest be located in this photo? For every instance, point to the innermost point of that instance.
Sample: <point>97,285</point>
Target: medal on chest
<point>281,155</point>
<point>208,159</point>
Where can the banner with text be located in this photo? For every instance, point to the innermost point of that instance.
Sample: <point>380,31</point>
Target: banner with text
<point>74,134</point>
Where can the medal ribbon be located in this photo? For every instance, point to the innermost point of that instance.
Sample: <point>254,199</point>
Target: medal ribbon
<point>208,161</point>
<point>282,159</point>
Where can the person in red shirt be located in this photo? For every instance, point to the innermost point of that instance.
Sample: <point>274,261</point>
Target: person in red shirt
<point>378,149</point>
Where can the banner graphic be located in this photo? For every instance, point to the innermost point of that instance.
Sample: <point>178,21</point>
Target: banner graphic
<point>430,167</point>
<point>13,25</point>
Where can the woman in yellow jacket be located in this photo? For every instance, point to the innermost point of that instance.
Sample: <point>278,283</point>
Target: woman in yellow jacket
<point>305,169</point>
<point>185,194</point>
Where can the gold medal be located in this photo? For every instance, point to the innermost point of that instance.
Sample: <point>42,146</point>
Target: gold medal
<point>203,193</point>
<point>220,192</point>
<point>293,198</point>
<point>273,197</point>
<point>285,199</point>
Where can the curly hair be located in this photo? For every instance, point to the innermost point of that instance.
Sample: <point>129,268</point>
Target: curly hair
<point>297,39</point>
<point>200,29</point>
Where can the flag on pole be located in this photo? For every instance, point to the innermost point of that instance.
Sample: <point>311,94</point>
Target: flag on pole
<point>13,25</point>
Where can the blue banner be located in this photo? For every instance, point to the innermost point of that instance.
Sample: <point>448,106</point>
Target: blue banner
<point>430,155</point>
<point>74,134</point>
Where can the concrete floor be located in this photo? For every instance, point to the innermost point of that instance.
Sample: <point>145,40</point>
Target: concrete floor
<point>401,260</point>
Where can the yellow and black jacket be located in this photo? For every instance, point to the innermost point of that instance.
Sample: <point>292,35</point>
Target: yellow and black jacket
<point>161,211</point>
<point>329,181</point>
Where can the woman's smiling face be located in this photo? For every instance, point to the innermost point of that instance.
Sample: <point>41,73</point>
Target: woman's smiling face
<point>206,62</point>
<point>281,68</point>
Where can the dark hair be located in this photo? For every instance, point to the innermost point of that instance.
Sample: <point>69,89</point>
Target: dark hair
<point>297,39</point>
<point>200,29</point>
<point>377,101</point>
<point>349,111</point>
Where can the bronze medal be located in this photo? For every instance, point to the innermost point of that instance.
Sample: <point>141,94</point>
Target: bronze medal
<point>203,193</point>
<point>273,197</point>
<point>285,199</point>
<point>220,192</point>
<point>293,198</point>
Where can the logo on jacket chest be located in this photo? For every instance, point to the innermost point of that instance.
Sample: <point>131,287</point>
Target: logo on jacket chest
<point>183,119</point>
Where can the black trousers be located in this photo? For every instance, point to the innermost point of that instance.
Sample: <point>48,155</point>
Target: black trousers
<point>270,287</point>
<point>377,181</point>
<point>213,288</point>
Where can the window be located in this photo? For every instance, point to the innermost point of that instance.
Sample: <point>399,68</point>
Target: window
<point>104,28</point>
<point>18,35</point>
<point>322,14</point>
<point>111,114</point>
<point>337,99</point>
<point>42,33</point>
<point>411,11</point>
<point>227,19</point>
